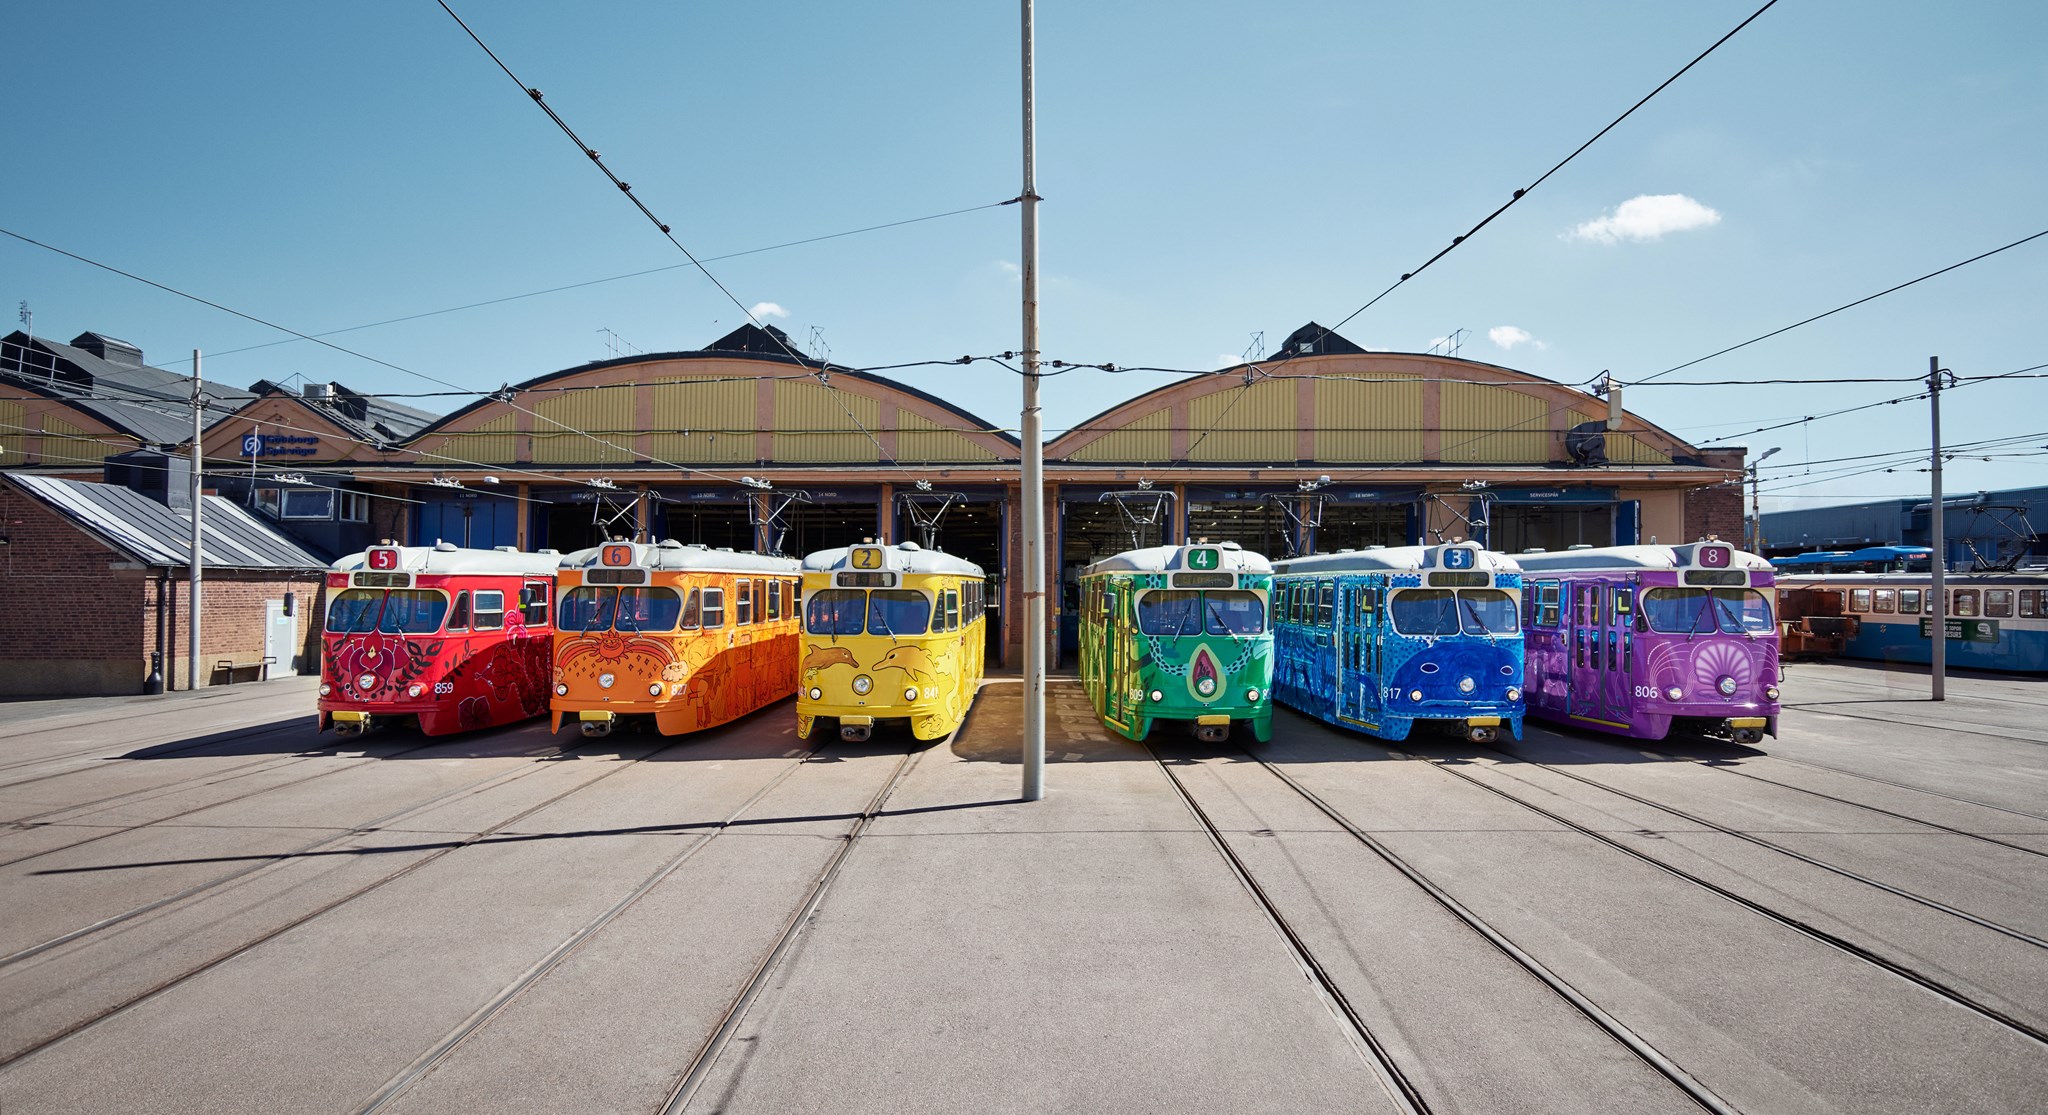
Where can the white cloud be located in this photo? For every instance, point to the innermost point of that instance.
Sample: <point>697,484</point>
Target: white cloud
<point>1010,269</point>
<point>1436,343</point>
<point>1646,217</point>
<point>1226,360</point>
<point>1508,336</point>
<point>768,309</point>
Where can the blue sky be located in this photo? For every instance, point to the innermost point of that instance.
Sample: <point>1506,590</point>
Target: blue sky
<point>1211,171</point>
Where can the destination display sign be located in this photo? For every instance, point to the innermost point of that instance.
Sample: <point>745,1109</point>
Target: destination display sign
<point>1204,558</point>
<point>1968,630</point>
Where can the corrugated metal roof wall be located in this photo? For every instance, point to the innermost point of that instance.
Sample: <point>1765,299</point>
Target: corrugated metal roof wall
<point>810,418</point>
<point>923,441</point>
<point>704,420</point>
<point>1495,425</point>
<point>1146,440</point>
<point>1254,423</point>
<point>1373,419</point>
<point>606,411</point>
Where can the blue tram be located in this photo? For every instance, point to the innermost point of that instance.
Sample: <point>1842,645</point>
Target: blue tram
<point>1377,639</point>
<point>1996,621</point>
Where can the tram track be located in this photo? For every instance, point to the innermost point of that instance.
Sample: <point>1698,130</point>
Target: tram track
<point>28,824</point>
<point>1985,731</point>
<point>707,1055</point>
<point>40,727</point>
<point>1607,1023</point>
<point>1810,931</point>
<point>1904,786</point>
<point>480,785</point>
<point>234,736</point>
<point>163,986</point>
<point>1751,838</point>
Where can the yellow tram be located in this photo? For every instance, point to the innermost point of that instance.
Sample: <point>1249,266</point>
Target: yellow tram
<point>890,633</point>
<point>687,636</point>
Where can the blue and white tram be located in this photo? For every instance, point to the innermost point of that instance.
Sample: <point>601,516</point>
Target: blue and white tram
<point>1377,639</point>
<point>1996,621</point>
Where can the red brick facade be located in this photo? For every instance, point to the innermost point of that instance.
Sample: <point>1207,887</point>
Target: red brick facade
<point>1716,510</point>
<point>78,618</point>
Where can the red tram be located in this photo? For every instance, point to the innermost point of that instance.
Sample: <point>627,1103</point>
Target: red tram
<point>449,638</point>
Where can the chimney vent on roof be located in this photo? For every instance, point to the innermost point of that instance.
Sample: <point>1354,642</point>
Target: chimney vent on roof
<point>318,391</point>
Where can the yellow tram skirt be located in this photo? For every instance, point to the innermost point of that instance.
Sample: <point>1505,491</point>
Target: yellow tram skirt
<point>345,714</point>
<point>1483,721</point>
<point>1747,721</point>
<point>1212,720</point>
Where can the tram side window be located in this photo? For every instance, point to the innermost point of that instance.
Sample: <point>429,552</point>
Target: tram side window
<point>745,610</point>
<point>2030,602</point>
<point>1884,601</point>
<point>775,600</point>
<point>490,611</point>
<point>714,608</point>
<point>692,618</point>
<point>1546,604</point>
<point>1859,600</point>
<point>459,621</point>
<point>1998,602</point>
<point>1967,602</point>
<point>533,603</point>
<point>952,610</point>
<point>1326,605</point>
<point>1909,601</point>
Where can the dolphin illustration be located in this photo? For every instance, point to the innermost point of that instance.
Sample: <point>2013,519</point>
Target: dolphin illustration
<point>912,660</point>
<point>817,658</point>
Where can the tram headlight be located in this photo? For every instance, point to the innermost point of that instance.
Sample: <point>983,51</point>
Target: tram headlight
<point>1675,693</point>
<point>1467,685</point>
<point>862,683</point>
<point>604,681</point>
<point>910,693</point>
<point>1514,694</point>
<point>1156,696</point>
<point>325,689</point>
<point>367,681</point>
<point>1770,692</point>
<point>1727,686</point>
<point>1415,694</point>
<point>414,690</point>
<point>817,694</point>
<point>561,689</point>
<point>654,690</point>
<point>1251,695</point>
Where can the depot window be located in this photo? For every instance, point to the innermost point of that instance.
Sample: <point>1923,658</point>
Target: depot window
<point>309,503</point>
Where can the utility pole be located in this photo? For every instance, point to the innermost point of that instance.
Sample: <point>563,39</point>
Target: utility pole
<point>1937,541</point>
<point>198,486</point>
<point>1034,454</point>
<point>1756,503</point>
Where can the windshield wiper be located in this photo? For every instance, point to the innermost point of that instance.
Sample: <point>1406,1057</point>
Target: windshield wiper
<point>1472,611</point>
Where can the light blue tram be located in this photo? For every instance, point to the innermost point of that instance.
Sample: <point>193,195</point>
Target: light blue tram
<point>1377,639</point>
<point>1995,621</point>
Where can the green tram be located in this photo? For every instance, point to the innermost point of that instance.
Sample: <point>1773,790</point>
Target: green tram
<point>1179,633</point>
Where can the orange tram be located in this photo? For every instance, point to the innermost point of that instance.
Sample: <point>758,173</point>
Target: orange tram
<point>449,638</point>
<point>685,636</point>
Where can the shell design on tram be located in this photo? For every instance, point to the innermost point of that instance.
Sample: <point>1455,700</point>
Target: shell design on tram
<point>1179,633</point>
<point>1637,640</point>
<point>683,636</point>
<point>890,633</point>
<point>1995,621</point>
<point>1378,639</point>
<point>449,638</point>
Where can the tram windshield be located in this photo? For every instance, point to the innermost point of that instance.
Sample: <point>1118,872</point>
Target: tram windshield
<point>1699,611</point>
<point>594,608</point>
<point>849,611</point>
<point>390,611</point>
<point>1214,612</point>
<point>1442,611</point>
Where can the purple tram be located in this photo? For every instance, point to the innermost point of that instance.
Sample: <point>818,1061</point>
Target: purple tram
<point>1636,640</point>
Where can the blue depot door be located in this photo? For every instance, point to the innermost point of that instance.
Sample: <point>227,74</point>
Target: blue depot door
<point>478,523</point>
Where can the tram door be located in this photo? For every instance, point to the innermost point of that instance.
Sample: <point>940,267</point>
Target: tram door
<point>1600,677</point>
<point>1353,636</point>
<point>1118,631</point>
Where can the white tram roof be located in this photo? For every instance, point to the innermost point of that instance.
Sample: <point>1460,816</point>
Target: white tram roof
<point>446,557</point>
<point>1163,559</point>
<point>903,557</point>
<point>1398,559</point>
<point>1687,556</point>
<point>674,556</point>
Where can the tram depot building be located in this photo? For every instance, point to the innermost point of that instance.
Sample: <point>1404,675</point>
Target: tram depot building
<point>1321,447</point>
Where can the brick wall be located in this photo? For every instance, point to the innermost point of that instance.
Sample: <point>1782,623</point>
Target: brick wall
<point>78,618</point>
<point>1718,509</point>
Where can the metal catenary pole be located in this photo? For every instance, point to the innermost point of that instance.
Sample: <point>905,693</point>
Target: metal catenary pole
<point>198,486</point>
<point>1937,540</point>
<point>1034,458</point>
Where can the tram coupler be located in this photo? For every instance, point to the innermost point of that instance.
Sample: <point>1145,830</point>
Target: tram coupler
<point>1747,730</point>
<point>1482,729</point>
<point>597,724</point>
<point>350,723</point>
<point>1212,729</point>
<point>856,729</point>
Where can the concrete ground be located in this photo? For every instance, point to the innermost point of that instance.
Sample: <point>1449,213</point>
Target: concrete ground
<point>208,906</point>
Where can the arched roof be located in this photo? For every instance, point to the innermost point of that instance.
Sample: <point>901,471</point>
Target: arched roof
<point>732,404</point>
<point>1357,407</point>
